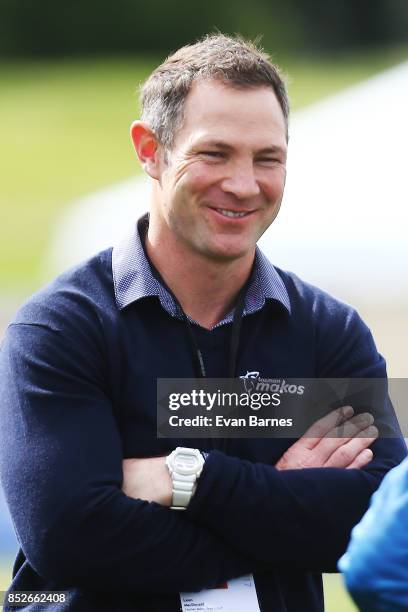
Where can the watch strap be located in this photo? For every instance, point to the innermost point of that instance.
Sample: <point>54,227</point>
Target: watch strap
<point>183,485</point>
<point>183,490</point>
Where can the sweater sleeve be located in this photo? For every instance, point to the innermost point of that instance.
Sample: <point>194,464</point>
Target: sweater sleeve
<point>375,565</point>
<point>302,518</point>
<point>61,468</point>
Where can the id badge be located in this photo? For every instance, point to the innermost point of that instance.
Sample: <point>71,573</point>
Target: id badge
<point>238,595</point>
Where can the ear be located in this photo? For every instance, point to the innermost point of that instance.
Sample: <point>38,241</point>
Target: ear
<point>146,147</point>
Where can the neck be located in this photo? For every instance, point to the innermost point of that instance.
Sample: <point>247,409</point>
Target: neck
<point>206,289</point>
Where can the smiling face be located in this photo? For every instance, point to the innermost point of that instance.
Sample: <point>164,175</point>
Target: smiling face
<point>221,185</point>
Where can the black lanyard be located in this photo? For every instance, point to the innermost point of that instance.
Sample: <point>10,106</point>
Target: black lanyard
<point>197,355</point>
<point>199,365</point>
<point>198,361</point>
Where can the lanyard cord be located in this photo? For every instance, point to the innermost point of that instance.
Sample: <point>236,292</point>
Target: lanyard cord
<point>234,341</point>
<point>198,360</point>
<point>197,355</point>
<point>196,351</point>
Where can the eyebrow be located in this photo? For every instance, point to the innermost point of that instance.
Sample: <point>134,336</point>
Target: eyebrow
<point>219,144</point>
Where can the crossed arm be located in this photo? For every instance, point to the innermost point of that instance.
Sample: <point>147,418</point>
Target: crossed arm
<point>321,446</point>
<point>269,512</point>
<point>61,466</point>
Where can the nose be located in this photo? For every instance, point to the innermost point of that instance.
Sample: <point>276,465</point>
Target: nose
<point>241,182</point>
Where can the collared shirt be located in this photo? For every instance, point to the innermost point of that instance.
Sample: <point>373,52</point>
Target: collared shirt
<point>134,279</point>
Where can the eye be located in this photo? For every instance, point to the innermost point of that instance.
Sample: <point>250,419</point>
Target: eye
<point>269,160</point>
<point>214,154</point>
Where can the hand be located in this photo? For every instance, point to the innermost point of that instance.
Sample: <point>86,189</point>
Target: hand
<point>338,440</point>
<point>147,479</point>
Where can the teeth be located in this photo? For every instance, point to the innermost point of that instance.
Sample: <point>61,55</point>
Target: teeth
<point>230,213</point>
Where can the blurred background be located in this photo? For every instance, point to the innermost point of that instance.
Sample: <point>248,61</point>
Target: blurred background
<point>69,75</point>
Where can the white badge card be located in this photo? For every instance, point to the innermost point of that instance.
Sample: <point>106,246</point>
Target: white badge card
<point>238,595</point>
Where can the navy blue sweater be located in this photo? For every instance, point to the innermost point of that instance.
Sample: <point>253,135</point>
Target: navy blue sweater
<point>78,394</point>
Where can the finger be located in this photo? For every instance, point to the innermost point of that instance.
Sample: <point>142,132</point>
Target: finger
<point>339,436</point>
<point>350,428</point>
<point>329,422</point>
<point>347,453</point>
<point>361,460</point>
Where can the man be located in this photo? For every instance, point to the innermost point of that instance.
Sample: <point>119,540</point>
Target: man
<point>187,294</point>
<point>375,565</point>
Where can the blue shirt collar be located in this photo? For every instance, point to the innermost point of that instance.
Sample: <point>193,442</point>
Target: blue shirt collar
<point>133,278</point>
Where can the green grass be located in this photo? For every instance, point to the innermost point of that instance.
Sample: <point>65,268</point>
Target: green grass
<point>64,132</point>
<point>312,78</point>
<point>5,575</point>
<point>335,595</point>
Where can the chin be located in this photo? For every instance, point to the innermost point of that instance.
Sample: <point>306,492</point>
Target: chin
<point>226,253</point>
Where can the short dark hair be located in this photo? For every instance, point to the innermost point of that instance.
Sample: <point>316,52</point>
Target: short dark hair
<point>231,60</point>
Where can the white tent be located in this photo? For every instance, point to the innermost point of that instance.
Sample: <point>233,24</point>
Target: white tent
<point>344,218</point>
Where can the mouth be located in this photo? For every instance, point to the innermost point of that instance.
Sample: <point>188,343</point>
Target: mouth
<point>232,214</point>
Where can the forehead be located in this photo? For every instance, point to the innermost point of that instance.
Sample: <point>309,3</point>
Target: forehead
<point>214,109</point>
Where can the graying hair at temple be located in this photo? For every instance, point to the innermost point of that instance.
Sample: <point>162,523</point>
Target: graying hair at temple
<point>231,60</point>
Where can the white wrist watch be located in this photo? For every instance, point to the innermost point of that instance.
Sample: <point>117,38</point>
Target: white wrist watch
<point>185,466</point>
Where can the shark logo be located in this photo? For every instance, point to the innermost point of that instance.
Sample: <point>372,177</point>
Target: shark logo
<point>250,379</point>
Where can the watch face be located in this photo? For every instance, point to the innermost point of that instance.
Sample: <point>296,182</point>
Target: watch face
<point>185,463</point>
